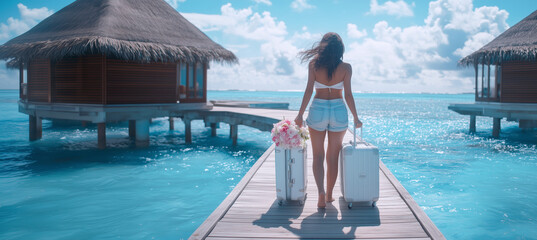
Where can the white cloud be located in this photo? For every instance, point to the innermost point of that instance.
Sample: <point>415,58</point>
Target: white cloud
<point>423,58</point>
<point>474,43</point>
<point>267,2</point>
<point>460,15</point>
<point>28,19</point>
<point>240,22</point>
<point>420,58</point>
<point>480,25</point>
<point>398,9</point>
<point>174,3</point>
<point>9,78</point>
<point>274,66</point>
<point>300,5</point>
<point>353,32</point>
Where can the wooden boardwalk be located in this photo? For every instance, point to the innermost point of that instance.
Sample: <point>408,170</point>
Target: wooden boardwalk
<point>251,210</point>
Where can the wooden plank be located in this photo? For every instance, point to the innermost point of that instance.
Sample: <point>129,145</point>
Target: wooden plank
<point>38,76</point>
<point>78,80</point>
<point>254,212</point>
<point>132,83</point>
<point>207,226</point>
<point>307,230</point>
<point>263,238</point>
<point>519,82</point>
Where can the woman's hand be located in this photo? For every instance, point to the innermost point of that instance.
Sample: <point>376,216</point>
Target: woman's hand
<point>299,121</point>
<point>357,123</point>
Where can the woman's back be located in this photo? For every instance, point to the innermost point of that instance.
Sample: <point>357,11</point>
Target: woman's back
<point>321,76</point>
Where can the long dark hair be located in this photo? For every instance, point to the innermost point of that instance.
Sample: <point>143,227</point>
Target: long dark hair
<point>327,53</point>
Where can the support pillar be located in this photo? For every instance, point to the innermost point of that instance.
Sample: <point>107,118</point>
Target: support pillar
<point>207,124</point>
<point>527,124</point>
<point>84,124</point>
<point>132,129</point>
<point>496,127</point>
<point>233,133</point>
<point>142,133</point>
<point>35,128</point>
<point>472,123</point>
<point>172,126</point>
<point>213,129</point>
<point>101,135</point>
<point>188,130</point>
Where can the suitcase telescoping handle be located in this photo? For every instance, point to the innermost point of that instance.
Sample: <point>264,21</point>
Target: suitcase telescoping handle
<point>361,136</point>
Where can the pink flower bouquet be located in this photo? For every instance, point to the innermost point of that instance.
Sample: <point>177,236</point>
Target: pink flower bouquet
<point>286,134</point>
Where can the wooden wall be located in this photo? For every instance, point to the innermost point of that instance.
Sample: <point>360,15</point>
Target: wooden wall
<point>39,80</point>
<point>519,82</point>
<point>129,82</point>
<point>78,80</point>
<point>81,80</point>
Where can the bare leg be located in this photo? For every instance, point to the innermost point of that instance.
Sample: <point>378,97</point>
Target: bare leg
<point>317,145</point>
<point>335,140</point>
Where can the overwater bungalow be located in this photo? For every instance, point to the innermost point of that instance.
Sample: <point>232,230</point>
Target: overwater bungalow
<point>505,78</point>
<point>112,60</point>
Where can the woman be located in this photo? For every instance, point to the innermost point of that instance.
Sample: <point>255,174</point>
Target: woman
<point>330,76</point>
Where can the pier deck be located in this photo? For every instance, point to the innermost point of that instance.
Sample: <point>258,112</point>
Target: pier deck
<point>251,210</point>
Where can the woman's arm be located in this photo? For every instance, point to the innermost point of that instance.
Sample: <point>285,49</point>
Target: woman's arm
<point>307,94</point>
<point>348,95</point>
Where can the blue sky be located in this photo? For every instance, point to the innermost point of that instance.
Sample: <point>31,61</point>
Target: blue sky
<point>393,46</point>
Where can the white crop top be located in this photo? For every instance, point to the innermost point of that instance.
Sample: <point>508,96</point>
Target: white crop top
<point>338,85</point>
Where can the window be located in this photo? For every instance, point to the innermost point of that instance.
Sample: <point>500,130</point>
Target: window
<point>492,84</point>
<point>199,80</point>
<point>191,83</point>
<point>479,79</point>
<point>498,80</point>
<point>182,80</point>
<point>487,82</point>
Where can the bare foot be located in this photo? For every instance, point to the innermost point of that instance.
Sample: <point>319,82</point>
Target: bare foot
<point>329,199</point>
<point>321,203</point>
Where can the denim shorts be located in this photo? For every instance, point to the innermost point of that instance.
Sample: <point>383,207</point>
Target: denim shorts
<point>328,115</point>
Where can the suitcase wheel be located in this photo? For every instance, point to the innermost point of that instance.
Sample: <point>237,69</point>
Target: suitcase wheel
<point>301,202</point>
<point>280,202</point>
<point>349,205</point>
<point>374,204</point>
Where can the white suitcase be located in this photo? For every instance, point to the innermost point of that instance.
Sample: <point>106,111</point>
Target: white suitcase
<point>359,172</point>
<point>291,175</point>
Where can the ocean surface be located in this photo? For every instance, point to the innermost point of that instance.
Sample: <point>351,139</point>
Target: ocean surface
<point>61,187</point>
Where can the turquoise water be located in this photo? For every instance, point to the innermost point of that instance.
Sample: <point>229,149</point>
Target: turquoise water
<point>62,187</point>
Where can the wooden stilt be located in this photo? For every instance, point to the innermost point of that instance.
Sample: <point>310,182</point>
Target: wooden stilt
<point>172,126</point>
<point>234,133</point>
<point>142,133</point>
<point>213,129</point>
<point>472,123</point>
<point>496,127</point>
<point>132,129</point>
<point>35,131</point>
<point>101,135</point>
<point>527,124</point>
<point>84,124</point>
<point>188,130</point>
<point>39,128</point>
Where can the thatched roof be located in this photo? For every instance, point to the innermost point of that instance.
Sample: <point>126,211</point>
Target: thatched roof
<point>134,30</point>
<point>518,43</point>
